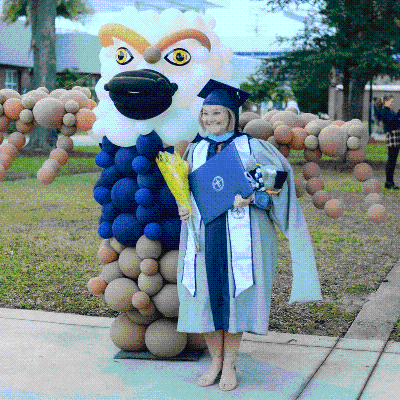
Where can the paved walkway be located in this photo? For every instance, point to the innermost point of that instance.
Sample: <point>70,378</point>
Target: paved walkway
<point>65,356</point>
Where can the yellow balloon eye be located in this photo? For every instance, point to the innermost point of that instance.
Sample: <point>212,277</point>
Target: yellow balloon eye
<point>123,56</point>
<point>178,57</point>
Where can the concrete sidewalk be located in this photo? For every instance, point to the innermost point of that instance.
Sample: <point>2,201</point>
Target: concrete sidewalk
<point>66,356</point>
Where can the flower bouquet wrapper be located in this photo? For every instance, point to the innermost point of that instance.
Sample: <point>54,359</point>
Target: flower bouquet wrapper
<point>176,174</point>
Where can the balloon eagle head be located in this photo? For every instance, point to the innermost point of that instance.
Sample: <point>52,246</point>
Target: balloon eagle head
<point>153,65</point>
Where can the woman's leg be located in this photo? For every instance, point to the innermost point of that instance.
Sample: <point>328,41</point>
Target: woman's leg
<point>231,347</point>
<point>215,344</point>
<point>393,153</point>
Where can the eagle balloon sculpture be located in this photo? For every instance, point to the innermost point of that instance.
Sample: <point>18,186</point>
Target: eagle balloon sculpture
<point>152,68</point>
<point>153,65</point>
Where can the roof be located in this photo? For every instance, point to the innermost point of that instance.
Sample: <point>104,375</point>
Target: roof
<point>74,50</point>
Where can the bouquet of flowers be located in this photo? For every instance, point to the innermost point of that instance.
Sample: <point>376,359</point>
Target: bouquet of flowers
<point>176,174</point>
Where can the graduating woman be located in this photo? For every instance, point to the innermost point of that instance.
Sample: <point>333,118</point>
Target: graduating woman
<point>225,287</point>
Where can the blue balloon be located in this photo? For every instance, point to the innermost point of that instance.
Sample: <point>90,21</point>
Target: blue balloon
<point>153,231</point>
<point>105,230</point>
<point>144,197</point>
<point>102,194</point>
<point>108,147</point>
<point>127,229</point>
<point>141,164</point>
<point>123,194</point>
<point>103,159</point>
<point>124,158</point>
<point>171,230</point>
<point>109,212</point>
<point>167,201</point>
<point>109,176</point>
<point>149,145</point>
<point>152,180</point>
<point>149,214</point>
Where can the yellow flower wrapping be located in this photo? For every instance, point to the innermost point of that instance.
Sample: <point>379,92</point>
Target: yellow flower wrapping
<point>176,174</point>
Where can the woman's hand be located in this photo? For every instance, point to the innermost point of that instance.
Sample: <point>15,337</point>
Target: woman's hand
<point>183,213</point>
<point>241,202</point>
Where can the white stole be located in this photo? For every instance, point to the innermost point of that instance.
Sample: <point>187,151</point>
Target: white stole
<point>239,229</point>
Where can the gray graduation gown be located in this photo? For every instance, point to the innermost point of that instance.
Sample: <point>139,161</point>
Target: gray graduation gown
<point>250,310</point>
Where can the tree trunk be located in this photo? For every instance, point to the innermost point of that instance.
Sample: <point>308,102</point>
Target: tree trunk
<point>42,21</point>
<point>356,97</point>
<point>346,84</point>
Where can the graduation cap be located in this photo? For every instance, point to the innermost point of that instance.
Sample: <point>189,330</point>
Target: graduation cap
<point>218,93</point>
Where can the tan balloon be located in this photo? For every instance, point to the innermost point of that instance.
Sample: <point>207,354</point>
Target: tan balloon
<point>111,271</point>
<point>283,134</point>
<point>312,155</point>
<point>149,266</point>
<point>319,198</point>
<point>246,117</point>
<point>119,292</point>
<point>168,265</point>
<point>65,143</point>
<point>167,301</point>
<point>332,141</point>
<point>96,285</point>
<point>127,335</point>
<point>377,213</point>
<point>12,108</point>
<point>299,137</point>
<point>311,170</point>
<point>313,185</point>
<point>146,248</point>
<point>373,198</point>
<point>334,208</point>
<point>46,175</point>
<point>129,262</point>
<point>117,246</point>
<point>139,318</point>
<point>259,128</point>
<point>60,155</point>
<point>163,340</point>
<point>140,300</point>
<point>356,155</point>
<point>150,284</point>
<point>311,142</point>
<point>371,185</point>
<point>49,112</point>
<point>363,171</point>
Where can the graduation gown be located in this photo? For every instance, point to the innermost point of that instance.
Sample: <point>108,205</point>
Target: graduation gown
<point>249,310</point>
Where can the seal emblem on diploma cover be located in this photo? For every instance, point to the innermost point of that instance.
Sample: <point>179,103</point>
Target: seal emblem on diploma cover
<point>218,183</point>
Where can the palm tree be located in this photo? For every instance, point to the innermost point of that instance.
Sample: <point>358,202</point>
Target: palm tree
<point>41,16</point>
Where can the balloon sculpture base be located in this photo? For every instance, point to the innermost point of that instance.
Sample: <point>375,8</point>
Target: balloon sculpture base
<point>186,355</point>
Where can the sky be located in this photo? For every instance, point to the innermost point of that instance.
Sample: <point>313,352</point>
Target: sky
<point>244,18</point>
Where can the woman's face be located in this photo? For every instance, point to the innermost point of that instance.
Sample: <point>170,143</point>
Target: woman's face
<point>215,119</point>
<point>388,103</point>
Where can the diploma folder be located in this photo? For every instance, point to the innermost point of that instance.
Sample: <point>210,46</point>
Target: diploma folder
<point>215,184</point>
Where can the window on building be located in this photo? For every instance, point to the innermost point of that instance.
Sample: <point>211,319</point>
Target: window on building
<point>11,79</point>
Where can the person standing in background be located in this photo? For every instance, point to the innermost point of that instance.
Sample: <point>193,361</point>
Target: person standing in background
<point>391,126</point>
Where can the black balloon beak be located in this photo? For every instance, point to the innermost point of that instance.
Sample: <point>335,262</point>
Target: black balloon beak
<point>141,94</point>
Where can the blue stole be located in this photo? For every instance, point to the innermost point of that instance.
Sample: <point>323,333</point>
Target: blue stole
<point>216,257</point>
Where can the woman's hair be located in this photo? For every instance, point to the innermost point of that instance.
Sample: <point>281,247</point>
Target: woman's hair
<point>381,101</point>
<point>232,119</point>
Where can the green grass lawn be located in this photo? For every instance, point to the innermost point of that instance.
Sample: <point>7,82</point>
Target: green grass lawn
<point>49,242</point>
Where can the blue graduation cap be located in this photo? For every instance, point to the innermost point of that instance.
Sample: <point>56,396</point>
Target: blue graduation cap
<point>218,93</point>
